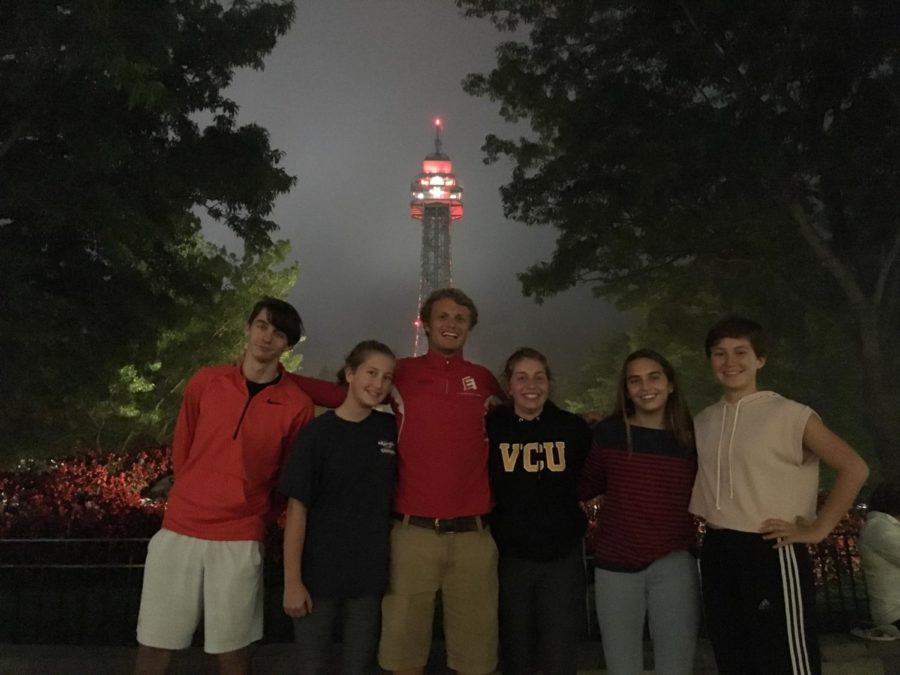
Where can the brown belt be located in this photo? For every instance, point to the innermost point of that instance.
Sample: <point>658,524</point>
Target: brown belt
<point>445,525</point>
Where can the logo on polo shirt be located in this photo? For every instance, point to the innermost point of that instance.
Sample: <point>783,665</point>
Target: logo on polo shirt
<point>468,383</point>
<point>387,447</point>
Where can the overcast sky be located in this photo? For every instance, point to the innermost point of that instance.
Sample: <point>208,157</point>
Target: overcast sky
<point>349,95</point>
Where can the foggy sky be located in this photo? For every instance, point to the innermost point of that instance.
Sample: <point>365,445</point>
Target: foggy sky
<point>349,95</point>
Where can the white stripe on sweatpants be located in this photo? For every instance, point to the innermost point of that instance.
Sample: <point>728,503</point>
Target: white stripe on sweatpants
<point>793,610</point>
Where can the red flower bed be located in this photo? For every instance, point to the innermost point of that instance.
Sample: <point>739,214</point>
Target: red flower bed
<point>90,496</point>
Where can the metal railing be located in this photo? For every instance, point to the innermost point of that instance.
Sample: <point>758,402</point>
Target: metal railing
<point>841,598</point>
<point>87,591</point>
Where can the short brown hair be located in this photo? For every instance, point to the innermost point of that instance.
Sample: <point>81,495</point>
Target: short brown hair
<point>738,327</point>
<point>453,294</point>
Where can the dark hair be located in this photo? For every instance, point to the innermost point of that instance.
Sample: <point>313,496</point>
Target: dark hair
<point>282,315</point>
<point>677,414</point>
<point>886,498</point>
<point>738,327</point>
<point>453,294</point>
<point>525,353</point>
<point>360,353</point>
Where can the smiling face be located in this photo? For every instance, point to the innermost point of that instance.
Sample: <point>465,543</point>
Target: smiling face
<point>735,364</point>
<point>370,382</point>
<point>648,389</point>
<point>448,327</point>
<point>529,387</point>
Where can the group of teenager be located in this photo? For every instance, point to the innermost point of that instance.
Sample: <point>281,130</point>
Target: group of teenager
<point>476,493</point>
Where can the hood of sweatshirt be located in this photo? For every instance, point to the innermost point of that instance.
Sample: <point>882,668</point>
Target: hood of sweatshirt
<point>726,437</point>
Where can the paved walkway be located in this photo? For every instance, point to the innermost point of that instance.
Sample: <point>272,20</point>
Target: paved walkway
<point>842,655</point>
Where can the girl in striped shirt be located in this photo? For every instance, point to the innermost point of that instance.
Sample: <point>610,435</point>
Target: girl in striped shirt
<point>642,465</point>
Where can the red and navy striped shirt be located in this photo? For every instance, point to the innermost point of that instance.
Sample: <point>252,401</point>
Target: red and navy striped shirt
<point>646,493</point>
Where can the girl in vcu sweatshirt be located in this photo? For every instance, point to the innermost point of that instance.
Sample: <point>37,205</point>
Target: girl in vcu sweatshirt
<point>536,455</point>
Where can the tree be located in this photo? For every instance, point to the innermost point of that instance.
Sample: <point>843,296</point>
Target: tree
<point>748,151</point>
<point>143,399</point>
<point>105,168</point>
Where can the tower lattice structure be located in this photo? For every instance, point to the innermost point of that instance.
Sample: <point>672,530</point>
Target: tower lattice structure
<point>437,202</point>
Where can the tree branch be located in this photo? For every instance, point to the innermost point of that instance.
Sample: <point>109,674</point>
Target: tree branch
<point>778,80</point>
<point>739,77</point>
<point>832,263</point>
<point>14,136</point>
<point>600,277</point>
<point>885,271</point>
<point>892,96</point>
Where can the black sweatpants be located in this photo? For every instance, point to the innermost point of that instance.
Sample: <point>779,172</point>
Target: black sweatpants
<point>759,604</point>
<point>541,610</point>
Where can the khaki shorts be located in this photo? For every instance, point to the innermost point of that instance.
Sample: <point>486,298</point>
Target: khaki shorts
<point>186,578</point>
<point>463,566</point>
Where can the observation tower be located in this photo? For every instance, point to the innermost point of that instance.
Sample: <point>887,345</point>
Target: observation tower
<point>437,202</point>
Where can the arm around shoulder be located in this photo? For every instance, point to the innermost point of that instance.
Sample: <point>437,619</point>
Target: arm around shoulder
<point>322,392</point>
<point>592,481</point>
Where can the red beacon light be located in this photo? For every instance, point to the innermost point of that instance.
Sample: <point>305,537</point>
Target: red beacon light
<point>436,185</point>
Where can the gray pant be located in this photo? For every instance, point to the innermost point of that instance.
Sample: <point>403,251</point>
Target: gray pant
<point>360,627</point>
<point>541,605</point>
<point>669,591</point>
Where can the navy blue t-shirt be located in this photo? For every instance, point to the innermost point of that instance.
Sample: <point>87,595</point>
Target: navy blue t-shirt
<point>343,472</point>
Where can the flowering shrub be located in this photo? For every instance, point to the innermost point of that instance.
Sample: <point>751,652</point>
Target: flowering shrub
<point>838,554</point>
<point>90,496</point>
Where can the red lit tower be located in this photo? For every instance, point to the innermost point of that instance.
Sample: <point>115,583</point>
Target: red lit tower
<point>436,201</point>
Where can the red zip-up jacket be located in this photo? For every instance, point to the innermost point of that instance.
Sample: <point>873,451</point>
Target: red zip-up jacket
<point>227,452</point>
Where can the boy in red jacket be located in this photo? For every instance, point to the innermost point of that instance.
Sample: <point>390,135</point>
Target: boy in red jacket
<point>235,426</point>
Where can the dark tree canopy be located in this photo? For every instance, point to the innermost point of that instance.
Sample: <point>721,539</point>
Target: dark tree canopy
<point>115,136</point>
<point>746,150</point>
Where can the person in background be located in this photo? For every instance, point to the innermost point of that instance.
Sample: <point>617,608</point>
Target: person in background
<point>536,454</point>
<point>339,482</point>
<point>233,432</point>
<point>879,546</point>
<point>642,464</point>
<point>756,488</point>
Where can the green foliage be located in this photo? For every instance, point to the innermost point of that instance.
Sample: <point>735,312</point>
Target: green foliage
<point>104,171</point>
<point>143,400</point>
<point>746,153</point>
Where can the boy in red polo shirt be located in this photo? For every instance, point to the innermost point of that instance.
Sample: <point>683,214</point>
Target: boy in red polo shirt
<point>440,541</point>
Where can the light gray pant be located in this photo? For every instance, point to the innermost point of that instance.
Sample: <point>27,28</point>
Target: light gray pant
<point>669,591</point>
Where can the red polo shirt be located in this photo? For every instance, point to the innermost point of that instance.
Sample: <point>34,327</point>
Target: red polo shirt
<point>440,405</point>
